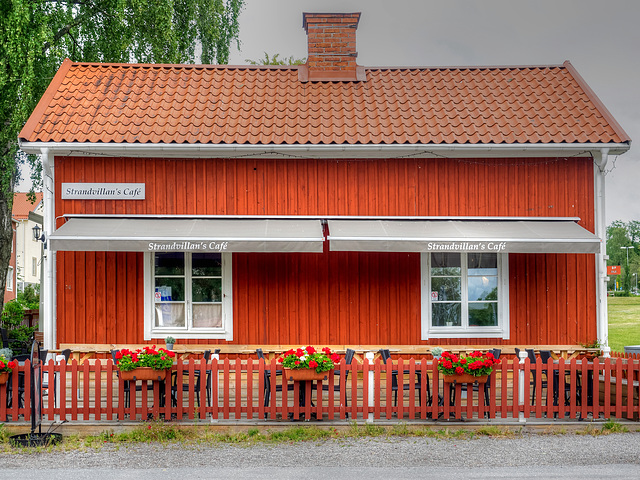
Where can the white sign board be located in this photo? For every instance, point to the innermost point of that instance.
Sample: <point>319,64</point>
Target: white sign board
<point>103,191</point>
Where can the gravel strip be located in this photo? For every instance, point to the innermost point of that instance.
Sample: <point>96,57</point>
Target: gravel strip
<point>526,450</point>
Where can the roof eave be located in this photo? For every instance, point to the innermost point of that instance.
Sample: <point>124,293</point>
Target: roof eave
<point>323,151</point>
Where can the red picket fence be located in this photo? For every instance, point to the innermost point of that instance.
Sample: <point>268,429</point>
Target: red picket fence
<point>235,390</point>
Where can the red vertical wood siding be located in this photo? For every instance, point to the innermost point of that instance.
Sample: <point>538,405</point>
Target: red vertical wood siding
<point>335,297</point>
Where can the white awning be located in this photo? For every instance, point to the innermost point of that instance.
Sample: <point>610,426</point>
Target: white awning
<point>507,236</point>
<point>204,235</point>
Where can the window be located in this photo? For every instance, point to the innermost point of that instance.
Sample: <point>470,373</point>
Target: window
<point>189,295</point>
<point>464,295</point>
<point>10,279</point>
<point>34,266</point>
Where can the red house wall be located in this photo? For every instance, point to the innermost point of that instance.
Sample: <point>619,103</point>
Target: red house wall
<point>335,297</point>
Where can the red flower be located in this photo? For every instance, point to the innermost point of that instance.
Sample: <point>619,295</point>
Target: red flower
<point>310,350</point>
<point>313,364</point>
<point>459,370</point>
<point>463,361</point>
<point>280,359</point>
<point>118,355</point>
<point>1,365</point>
<point>11,364</point>
<point>335,358</point>
<point>447,364</point>
<point>297,362</point>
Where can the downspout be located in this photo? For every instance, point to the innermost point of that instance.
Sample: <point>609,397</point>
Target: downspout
<point>48,290</point>
<point>601,259</point>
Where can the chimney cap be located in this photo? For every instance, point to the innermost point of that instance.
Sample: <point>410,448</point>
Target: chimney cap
<point>306,16</point>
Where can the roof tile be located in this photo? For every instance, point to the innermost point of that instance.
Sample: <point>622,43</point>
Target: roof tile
<point>221,104</point>
<point>22,206</point>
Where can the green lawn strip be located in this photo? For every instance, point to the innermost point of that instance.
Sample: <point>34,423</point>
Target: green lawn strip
<point>157,432</point>
<point>624,322</point>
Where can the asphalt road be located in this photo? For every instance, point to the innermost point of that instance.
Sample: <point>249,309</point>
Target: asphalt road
<point>530,456</point>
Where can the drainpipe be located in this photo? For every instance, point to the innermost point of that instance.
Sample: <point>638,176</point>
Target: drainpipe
<point>48,227</point>
<point>601,159</point>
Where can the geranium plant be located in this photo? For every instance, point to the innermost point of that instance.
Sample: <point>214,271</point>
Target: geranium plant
<point>6,365</point>
<point>158,359</point>
<point>309,357</point>
<point>475,364</point>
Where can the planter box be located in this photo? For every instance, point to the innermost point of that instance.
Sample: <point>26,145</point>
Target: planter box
<point>465,378</point>
<point>143,373</point>
<point>305,374</point>
<point>4,377</point>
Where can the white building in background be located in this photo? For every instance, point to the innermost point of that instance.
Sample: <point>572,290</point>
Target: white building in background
<point>28,250</point>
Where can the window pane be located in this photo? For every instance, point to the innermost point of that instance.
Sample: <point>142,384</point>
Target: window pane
<point>483,288</point>
<point>446,315</point>
<point>483,314</point>
<point>207,290</point>
<point>445,264</point>
<point>207,316</point>
<point>445,288</point>
<point>170,289</point>
<point>483,264</point>
<point>206,264</point>
<point>170,263</point>
<point>169,315</point>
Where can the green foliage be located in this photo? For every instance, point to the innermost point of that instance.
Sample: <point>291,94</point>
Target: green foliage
<point>619,236</point>
<point>20,336</point>
<point>37,35</point>
<point>30,297</point>
<point>275,60</point>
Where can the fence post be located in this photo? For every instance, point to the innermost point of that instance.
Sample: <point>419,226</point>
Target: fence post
<point>522,356</point>
<point>606,351</point>
<point>369,357</point>
<point>214,384</point>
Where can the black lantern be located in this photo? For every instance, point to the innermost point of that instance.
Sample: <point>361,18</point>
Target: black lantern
<point>36,233</point>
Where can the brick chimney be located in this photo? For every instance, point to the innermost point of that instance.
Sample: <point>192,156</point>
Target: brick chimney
<point>331,48</point>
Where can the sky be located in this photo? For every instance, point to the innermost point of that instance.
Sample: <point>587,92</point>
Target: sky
<point>600,38</point>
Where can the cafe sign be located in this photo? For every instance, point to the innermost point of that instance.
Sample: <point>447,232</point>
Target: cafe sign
<point>103,191</point>
<point>466,246</point>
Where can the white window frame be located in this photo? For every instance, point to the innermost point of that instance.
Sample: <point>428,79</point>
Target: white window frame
<point>498,331</point>
<point>223,333</point>
<point>10,279</point>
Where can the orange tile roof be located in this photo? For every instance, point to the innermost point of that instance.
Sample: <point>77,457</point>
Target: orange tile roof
<point>22,206</point>
<point>269,105</point>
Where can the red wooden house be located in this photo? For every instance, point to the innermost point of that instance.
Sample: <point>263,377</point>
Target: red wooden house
<point>326,203</point>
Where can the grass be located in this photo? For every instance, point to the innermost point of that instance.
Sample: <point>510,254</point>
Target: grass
<point>158,432</point>
<point>624,322</point>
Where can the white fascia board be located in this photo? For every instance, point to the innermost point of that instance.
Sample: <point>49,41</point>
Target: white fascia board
<point>322,151</point>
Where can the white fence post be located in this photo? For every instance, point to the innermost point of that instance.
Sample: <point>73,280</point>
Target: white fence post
<point>369,357</point>
<point>522,355</point>
<point>214,384</point>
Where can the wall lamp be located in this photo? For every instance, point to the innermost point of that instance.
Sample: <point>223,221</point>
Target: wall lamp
<point>38,235</point>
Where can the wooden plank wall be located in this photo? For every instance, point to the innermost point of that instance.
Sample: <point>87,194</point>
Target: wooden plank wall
<point>335,297</point>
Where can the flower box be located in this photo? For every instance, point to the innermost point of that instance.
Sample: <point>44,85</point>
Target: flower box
<point>143,373</point>
<point>466,378</point>
<point>4,376</point>
<point>307,363</point>
<point>300,374</point>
